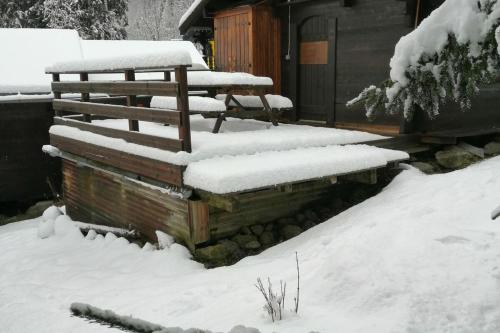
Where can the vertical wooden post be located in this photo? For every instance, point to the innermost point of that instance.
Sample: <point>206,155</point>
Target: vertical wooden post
<point>85,97</point>
<point>167,76</point>
<point>133,125</point>
<point>183,107</point>
<point>57,95</point>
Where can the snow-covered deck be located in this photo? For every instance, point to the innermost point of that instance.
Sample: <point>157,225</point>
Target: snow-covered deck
<point>250,154</point>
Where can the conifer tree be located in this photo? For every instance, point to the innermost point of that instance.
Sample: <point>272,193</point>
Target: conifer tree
<point>453,73</point>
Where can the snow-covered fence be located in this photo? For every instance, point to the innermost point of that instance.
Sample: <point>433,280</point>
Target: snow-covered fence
<point>165,62</point>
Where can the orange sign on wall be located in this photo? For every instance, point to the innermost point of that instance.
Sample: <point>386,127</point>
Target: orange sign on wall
<point>314,53</point>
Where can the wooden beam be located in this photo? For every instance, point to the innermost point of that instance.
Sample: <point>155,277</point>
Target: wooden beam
<point>148,88</point>
<point>140,165</point>
<point>57,95</point>
<point>183,107</point>
<point>133,125</point>
<point>169,144</point>
<point>119,111</point>
<point>85,97</point>
<point>367,177</point>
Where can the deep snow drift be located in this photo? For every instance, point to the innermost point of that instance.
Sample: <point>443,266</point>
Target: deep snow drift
<point>422,256</point>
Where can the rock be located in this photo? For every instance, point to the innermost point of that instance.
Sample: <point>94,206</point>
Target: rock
<point>269,227</point>
<point>245,230</point>
<point>31,213</point>
<point>311,215</point>
<point>455,158</point>
<point>223,253</point>
<point>290,231</point>
<point>301,218</point>
<point>325,213</point>
<point>267,238</point>
<point>257,229</point>
<point>424,167</point>
<point>244,240</point>
<point>286,220</point>
<point>492,148</point>
<point>497,138</point>
<point>253,245</point>
<point>337,204</point>
<point>308,224</point>
<point>357,196</point>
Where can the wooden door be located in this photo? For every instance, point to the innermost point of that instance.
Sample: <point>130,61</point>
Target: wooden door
<point>316,69</point>
<point>232,40</point>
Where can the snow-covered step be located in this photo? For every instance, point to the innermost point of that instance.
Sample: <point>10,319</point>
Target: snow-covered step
<point>228,174</point>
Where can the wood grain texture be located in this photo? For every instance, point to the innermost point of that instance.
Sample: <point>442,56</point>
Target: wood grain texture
<point>162,116</point>
<point>150,88</point>
<point>169,144</point>
<point>154,169</point>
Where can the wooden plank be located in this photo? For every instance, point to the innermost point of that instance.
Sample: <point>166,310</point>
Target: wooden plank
<point>149,88</point>
<point>133,125</point>
<point>169,144</point>
<point>367,177</point>
<point>119,111</point>
<point>85,97</point>
<point>143,166</point>
<point>183,107</point>
<point>198,216</point>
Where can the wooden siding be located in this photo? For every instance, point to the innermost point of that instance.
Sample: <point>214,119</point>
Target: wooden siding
<point>102,198</point>
<point>247,39</point>
<point>24,168</point>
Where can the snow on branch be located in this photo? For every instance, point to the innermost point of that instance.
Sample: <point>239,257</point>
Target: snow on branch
<point>451,53</point>
<point>130,323</point>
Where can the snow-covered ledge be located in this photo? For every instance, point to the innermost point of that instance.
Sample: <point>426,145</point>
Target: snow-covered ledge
<point>138,62</point>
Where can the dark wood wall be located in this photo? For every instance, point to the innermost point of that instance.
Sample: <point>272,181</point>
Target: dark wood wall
<point>365,36</point>
<point>24,168</point>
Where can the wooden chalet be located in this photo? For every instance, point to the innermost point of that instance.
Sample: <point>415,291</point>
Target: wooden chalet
<point>322,53</point>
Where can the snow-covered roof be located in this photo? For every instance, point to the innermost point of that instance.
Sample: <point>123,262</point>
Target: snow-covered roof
<point>193,11</point>
<point>25,54</point>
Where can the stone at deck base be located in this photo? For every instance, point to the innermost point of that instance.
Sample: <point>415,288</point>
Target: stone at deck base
<point>424,167</point>
<point>455,158</point>
<point>492,148</point>
<point>290,231</point>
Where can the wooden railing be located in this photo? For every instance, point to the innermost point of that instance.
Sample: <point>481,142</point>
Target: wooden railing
<point>133,113</point>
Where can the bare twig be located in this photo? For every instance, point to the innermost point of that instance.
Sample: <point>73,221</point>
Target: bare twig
<point>298,284</point>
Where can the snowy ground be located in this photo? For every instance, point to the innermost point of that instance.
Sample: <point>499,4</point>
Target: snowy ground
<point>422,256</point>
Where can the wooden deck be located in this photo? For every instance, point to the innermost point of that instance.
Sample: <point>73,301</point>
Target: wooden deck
<point>106,184</point>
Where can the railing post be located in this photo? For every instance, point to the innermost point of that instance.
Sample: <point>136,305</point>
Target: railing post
<point>133,125</point>
<point>167,76</point>
<point>57,95</point>
<point>85,97</point>
<point>183,107</point>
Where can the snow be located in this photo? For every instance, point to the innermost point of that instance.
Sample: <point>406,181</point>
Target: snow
<point>207,79</point>
<point>248,153</point>
<point>244,172</point>
<point>26,53</point>
<point>42,97</point>
<point>189,12</point>
<point>421,256</point>
<point>93,49</point>
<point>459,17</point>
<point>196,104</point>
<point>165,241</point>
<point>275,101</point>
<point>164,59</point>
<point>237,137</point>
